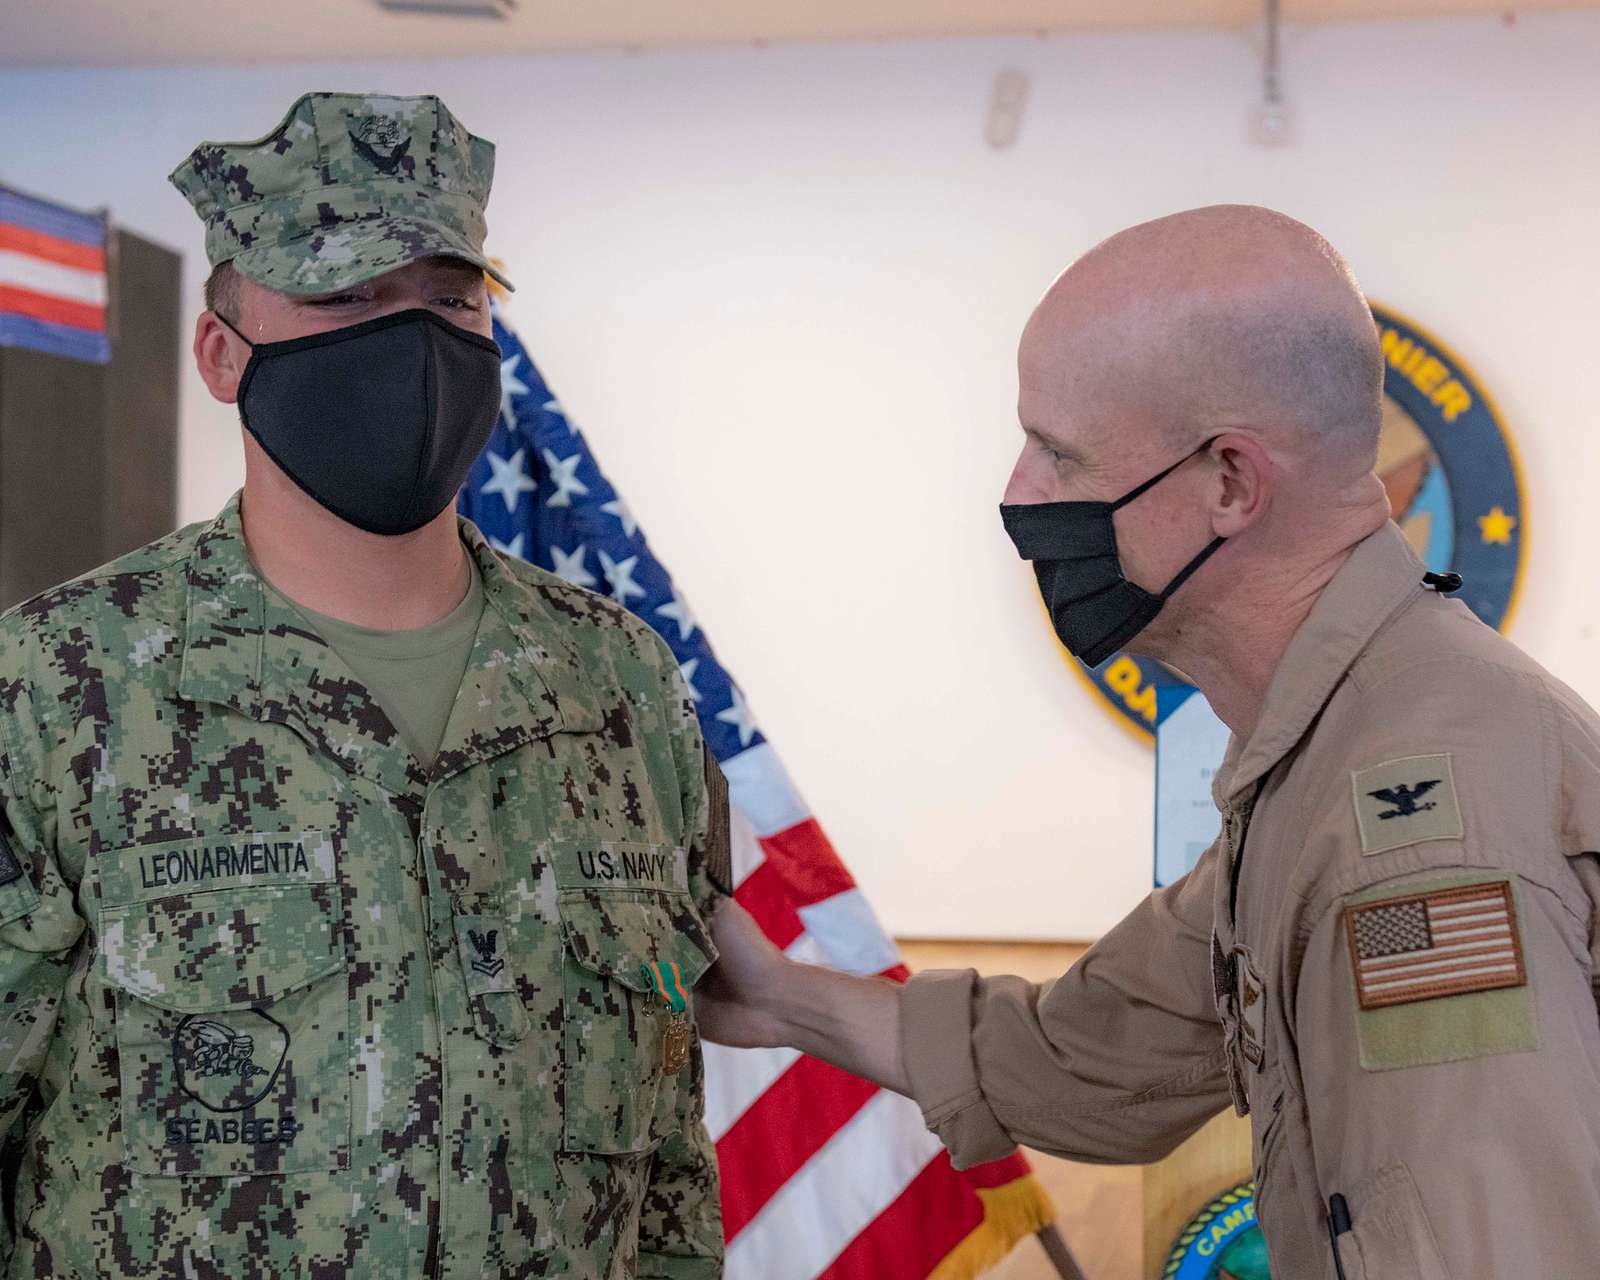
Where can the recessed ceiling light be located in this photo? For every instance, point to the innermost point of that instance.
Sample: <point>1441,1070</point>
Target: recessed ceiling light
<point>453,8</point>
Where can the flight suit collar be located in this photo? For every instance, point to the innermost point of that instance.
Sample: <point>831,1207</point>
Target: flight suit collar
<point>246,648</point>
<point>1380,576</point>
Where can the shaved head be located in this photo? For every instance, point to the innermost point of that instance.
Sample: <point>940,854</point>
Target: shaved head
<point>1216,377</point>
<point>1224,318</point>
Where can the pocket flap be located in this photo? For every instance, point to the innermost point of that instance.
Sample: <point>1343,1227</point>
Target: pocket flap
<point>634,936</point>
<point>224,949</point>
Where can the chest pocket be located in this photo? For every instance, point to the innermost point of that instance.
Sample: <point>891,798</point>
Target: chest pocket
<point>232,1026</point>
<point>1391,1238</point>
<point>630,960</point>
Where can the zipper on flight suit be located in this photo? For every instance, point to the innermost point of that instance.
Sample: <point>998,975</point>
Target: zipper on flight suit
<point>1236,824</point>
<point>1225,968</point>
<point>1244,814</point>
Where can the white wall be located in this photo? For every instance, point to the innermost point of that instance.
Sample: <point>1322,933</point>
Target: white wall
<point>780,289</point>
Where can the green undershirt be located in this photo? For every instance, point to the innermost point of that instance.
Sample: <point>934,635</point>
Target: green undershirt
<point>413,674</point>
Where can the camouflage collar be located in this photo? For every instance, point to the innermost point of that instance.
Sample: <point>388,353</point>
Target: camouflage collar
<point>244,648</point>
<point>526,678</point>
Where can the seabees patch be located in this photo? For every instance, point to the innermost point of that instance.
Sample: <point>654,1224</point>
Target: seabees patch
<point>1439,973</point>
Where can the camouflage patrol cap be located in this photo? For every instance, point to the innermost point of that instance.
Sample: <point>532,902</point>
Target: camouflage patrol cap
<point>347,187</point>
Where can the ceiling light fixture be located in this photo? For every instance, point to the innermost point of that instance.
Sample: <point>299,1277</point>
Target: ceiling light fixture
<point>501,9</point>
<point>1271,123</point>
<point>1006,101</point>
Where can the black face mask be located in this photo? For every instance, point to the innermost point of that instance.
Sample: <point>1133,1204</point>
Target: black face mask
<point>379,421</point>
<point>1073,546</point>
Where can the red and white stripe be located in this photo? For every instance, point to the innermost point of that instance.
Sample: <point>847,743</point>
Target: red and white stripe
<point>1473,944</point>
<point>52,279</point>
<point>823,1174</point>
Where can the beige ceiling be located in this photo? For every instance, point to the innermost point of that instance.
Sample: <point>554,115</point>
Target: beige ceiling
<point>133,32</point>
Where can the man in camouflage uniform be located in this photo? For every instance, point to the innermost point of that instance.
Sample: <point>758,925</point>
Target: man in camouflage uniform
<point>304,976</point>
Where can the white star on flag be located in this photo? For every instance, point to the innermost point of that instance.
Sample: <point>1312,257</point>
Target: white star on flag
<point>564,472</point>
<point>738,715</point>
<point>687,670</point>
<point>569,566</point>
<point>510,385</point>
<point>510,480</point>
<point>619,573</point>
<point>554,406</point>
<point>677,610</point>
<point>512,548</point>
<point>617,507</point>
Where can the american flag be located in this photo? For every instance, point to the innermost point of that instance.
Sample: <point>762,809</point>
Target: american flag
<point>52,279</point>
<point>823,1174</point>
<point>1422,946</point>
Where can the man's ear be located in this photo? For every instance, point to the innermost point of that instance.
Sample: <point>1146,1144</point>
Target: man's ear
<point>1243,484</point>
<point>220,355</point>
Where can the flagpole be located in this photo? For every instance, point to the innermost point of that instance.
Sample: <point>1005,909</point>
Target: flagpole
<point>1060,1256</point>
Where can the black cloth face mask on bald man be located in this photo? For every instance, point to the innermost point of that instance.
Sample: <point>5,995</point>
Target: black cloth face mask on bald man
<point>378,421</point>
<point>1073,546</point>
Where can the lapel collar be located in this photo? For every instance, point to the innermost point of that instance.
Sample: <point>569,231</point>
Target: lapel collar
<point>1381,575</point>
<point>246,648</point>
<point>526,678</point>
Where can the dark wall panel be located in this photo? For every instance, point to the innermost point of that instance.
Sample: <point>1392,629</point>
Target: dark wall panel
<point>88,453</point>
<point>52,493</point>
<point>140,451</point>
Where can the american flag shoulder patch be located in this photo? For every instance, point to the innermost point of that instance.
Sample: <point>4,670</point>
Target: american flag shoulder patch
<point>1447,942</point>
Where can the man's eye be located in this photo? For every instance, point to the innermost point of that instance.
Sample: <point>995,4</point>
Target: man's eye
<point>336,299</point>
<point>460,303</point>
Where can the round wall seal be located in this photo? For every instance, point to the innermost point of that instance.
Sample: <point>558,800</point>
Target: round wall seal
<point>1221,1242</point>
<point>1451,472</point>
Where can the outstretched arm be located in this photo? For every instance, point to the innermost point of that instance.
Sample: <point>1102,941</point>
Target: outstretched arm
<point>1119,1059</point>
<point>757,997</point>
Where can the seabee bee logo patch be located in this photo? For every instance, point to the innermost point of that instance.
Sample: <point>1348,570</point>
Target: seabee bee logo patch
<point>1451,474</point>
<point>229,1061</point>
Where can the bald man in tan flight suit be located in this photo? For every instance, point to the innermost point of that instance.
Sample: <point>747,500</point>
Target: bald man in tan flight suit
<point>1386,959</point>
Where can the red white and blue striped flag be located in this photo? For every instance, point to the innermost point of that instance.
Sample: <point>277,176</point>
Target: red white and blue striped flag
<point>52,279</point>
<point>823,1174</point>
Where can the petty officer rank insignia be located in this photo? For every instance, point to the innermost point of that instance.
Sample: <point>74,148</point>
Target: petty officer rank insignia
<point>1439,974</point>
<point>667,982</point>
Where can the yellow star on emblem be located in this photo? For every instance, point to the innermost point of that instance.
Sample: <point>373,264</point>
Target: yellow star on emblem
<point>1497,526</point>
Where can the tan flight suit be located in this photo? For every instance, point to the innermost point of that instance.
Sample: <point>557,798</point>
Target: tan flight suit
<point>1393,975</point>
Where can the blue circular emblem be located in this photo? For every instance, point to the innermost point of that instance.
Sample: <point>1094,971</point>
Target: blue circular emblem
<point>1453,483</point>
<point>1221,1242</point>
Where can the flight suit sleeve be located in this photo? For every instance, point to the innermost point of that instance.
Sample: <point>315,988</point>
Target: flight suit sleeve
<point>1117,1061</point>
<point>1444,1011</point>
<point>1459,1126</point>
<point>39,927</point>
<point>680,1225</point>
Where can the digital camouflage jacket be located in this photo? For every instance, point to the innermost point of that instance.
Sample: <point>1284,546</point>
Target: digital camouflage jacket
<point>278,1002</point>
